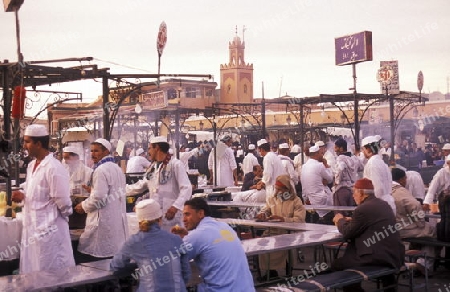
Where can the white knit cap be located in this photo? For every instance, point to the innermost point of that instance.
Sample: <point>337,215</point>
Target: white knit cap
<point>314,149</point>
<point>262,141</point>
<point>158,139</point>
<point>104,142</point>
<point>148,210</point>
<point>139,151</point>
<point>446,146</point>
<point>36,131</point>
<point>283,146</point>
<point>369,140</point>
<point>72,149</point>
<point>251,147</point>
<point>320,143</point>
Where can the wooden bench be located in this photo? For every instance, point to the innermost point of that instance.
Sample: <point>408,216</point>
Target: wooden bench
<point>334,280</point>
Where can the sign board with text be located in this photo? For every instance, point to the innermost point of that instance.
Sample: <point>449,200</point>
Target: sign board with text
<point>154,100</point>
<point>353,48</point>
<point>393,86</point>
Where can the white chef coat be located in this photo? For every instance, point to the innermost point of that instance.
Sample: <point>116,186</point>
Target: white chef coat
<point>439,183</point>
<point>313,189</point>
<point>380,175</point>
<point>46,244</point>
<point>169,187</point>
<point>79,174</point>
<point>106,223</point>
<point>272,169</point>
<point>137,164</point>
<point>414,183</point>
<point>226,163</point>
<point>249,161</point>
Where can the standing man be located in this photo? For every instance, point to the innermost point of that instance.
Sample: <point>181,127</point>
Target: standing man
<point>226,163</point>
<point>272,166</point>
<point>166,181</point>
<point>315,178</point>
<point>345,174</point>
<point>79,173</point>
<point>106,222</point>
<point>216,250</point>
<point>138,163</point>
<point>250,160</point>
<point>46,210</point>
<point>377,171</point>
<point>439,183</point>
<point>288,164</point>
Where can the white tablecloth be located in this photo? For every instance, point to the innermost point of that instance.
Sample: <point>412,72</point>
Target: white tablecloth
<point>11,233</point>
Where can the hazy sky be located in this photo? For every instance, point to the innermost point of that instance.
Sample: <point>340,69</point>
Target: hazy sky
<point>289,42</point>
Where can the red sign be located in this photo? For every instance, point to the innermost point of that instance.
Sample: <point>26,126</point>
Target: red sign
<point>420,81</point>
<point>162,38</point>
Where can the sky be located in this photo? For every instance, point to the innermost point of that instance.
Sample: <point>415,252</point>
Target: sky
<point>290,43</point>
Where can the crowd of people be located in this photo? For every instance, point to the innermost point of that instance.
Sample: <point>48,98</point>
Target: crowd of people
<point>173,223</point>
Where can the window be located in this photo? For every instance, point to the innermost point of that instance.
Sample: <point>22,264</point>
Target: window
<point>191,92</point>
<point>172,93</point>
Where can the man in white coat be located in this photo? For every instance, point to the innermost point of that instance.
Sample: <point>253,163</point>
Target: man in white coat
<point>166,181</point>
<point>106,222</point>
<point>377,171</point>
<point>272,167</point>
<point>79,173</point>
<point>250,160</point>
<point>439,183</point>
<point>315,178</point>
<point>226,163</point>
<point>46,244</point>
<point>138,163</point>
<point>288,164</point>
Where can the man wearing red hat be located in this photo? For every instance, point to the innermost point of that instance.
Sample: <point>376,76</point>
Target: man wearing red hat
<point>371,235</point>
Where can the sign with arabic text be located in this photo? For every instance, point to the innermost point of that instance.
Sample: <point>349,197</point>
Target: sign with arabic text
<point>393,84</point>
<point>353,48</point>
<point>154,100</point>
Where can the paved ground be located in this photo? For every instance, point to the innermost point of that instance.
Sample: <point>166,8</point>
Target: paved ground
<point>439,282</point>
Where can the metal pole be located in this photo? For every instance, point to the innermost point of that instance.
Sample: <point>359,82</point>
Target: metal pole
<point>355,98</point>
<point>391,117</point>
<point>105,101</point>
<point>215,148</point>
<point>7,133</point>
<point>302,140</point>
<point>177,132</point>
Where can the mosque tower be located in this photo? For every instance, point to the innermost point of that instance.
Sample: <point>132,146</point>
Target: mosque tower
<point>236,77</point>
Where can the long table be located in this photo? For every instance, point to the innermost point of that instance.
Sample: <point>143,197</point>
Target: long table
<point>256,246</point>
<point>238,204</point>
<point>291,226</point>
<point>46,281</point>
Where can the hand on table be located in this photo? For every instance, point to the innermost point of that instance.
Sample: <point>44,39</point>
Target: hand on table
<point>261,217</point>
<point>276,217</point>
<point>337,217</point>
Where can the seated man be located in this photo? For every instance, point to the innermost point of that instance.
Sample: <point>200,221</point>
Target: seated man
<point>252,190</point>
<point>282,206</point>
<point>148,247</point>
<point>252,178</point>
<point>372,238</point>
<point>216,250</point>
<point>410,215</point>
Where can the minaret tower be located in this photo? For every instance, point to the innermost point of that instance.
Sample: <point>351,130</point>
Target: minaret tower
<point>236,77</point>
